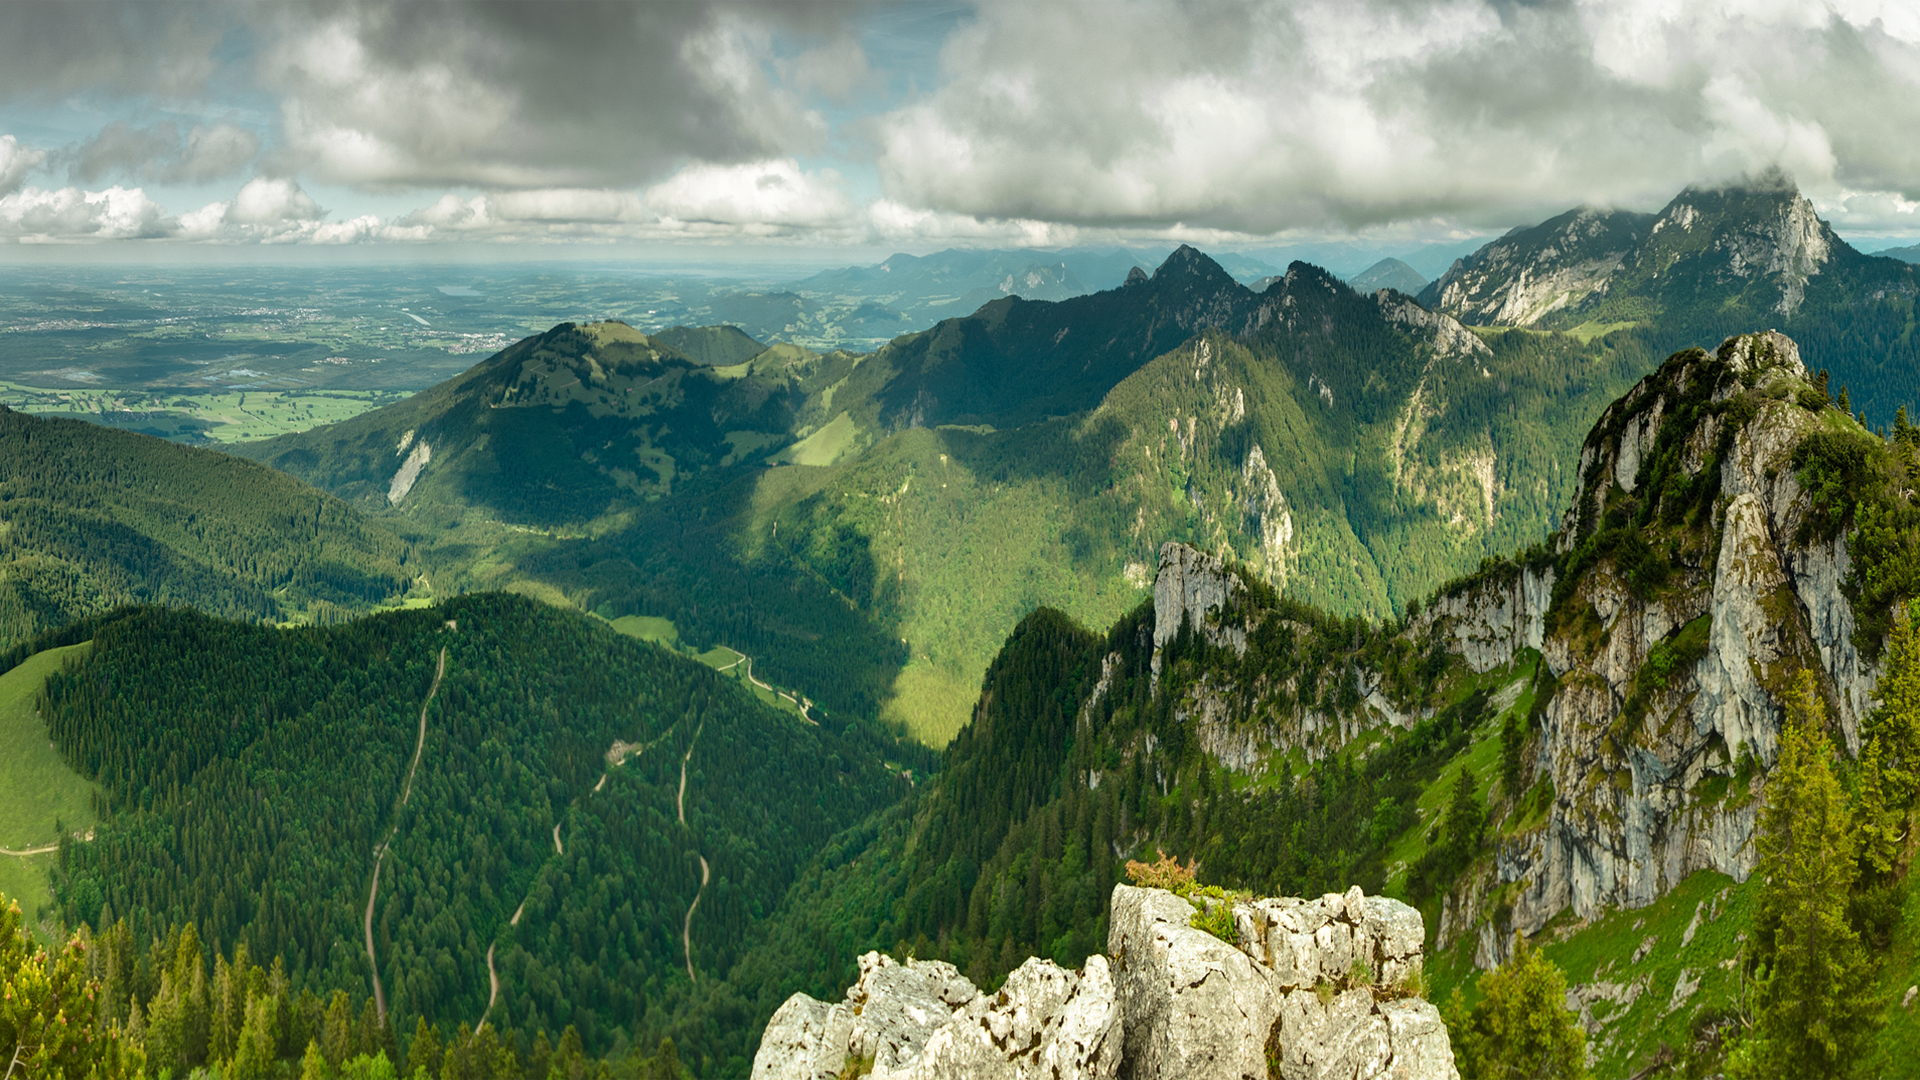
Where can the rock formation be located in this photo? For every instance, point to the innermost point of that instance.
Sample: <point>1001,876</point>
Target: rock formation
<point>1664,716</point>
<point>1320,989</point>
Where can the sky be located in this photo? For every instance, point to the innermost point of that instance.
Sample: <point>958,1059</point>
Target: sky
<point>809,131</point>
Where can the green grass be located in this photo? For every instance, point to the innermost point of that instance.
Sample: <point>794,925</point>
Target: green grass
<point>649,628</point>
<point>1482,756</point>
<point>1602,951</point>
<point>39,794</point>
<point>225,417</point>
<point>720,657</point>
<point>825,446</point>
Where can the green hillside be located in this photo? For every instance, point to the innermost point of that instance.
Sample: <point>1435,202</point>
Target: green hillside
<point>92,518</point>
<point>870,528</point>
<point>39,795</point>
<point>544,797</point>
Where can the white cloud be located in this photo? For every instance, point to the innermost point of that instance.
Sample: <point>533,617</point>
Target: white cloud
<point>1148,113</point>
<point>774,194</point>
<point>273,201</point>
<point>16,162</point>
<point>406,95</point>
<point>37,214</point>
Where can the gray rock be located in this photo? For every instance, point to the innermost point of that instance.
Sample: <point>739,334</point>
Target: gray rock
<point>1192,1005</point>
<point>805,1040</point>
<point>1314,983</point>
<point>899,1006</point>
<point>1173,1002</point>
<point>1045,1023</point>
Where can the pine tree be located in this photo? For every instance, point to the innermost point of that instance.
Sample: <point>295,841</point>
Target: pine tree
<point>312,1065</point>
<point>1521,1026</point>
<point>336,1039</point>
<point>424,1051</point>
<point>1813,985</point>
<point>255,1050</point>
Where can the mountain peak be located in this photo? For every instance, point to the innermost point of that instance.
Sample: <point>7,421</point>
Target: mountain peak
<point>1190,263</point>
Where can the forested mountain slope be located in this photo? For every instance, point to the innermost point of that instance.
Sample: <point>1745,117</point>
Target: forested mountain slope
<point>1587,729</point>
<point>92,518</point>
<point>915,502</point>
<point>593,821</point>
<point>1713,262</point>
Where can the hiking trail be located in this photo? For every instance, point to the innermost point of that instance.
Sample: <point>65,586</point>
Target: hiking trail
<point>380,853</point>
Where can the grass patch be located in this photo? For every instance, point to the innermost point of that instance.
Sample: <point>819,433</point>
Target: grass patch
<point>224,417</point>
<point>649,628</point>
<point>1644,1013</point>
<point>823,447</point>
<point>39,794</point>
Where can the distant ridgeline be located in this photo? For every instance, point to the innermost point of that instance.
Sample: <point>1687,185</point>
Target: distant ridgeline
<point>871,527</point>
<point>1713,262</point>
<point>92,518</point>
<point>595,821</point>
<point>1580,736</point>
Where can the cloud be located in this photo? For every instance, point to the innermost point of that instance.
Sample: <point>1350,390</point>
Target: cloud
<point>16,162</point>
<point>50,50</point>
<point>1258,117</point>
<point>445,93</point>
<point>68,214</point>
<point>159,153</point>
<point>775,194</point>
<point>273,201</point>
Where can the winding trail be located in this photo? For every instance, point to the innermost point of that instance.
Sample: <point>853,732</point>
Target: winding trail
<point>706,875</point>
<point>31,851</point>
<point>380,853</point>
<point>686,926</point>
<point>493,984</point>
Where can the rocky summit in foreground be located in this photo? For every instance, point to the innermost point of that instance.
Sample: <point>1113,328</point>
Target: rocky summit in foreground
<point>1325,989</point>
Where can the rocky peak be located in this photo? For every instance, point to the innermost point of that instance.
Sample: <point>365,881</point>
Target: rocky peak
<point>1691,591</point>
<point>1195,589</point>
<point>1531,273</point>
<point>1189,267</point>
<point>1308,989</point>
<point>1760,228</point>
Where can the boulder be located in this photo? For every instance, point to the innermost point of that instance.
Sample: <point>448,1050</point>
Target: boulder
<point>1311,990</point>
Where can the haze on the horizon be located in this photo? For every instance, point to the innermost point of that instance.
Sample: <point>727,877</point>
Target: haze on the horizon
<point>801,132</point>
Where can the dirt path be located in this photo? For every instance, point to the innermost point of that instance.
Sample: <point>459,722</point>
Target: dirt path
<point>31,851</point>
<point>493,983</point>
<point>557,849</point>
<point>686,925</point>
<point>380,853</point>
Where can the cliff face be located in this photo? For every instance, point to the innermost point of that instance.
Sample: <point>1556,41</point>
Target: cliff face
<point>1696,588</point>
<point>1317,989</point>
<point>1689,582</point>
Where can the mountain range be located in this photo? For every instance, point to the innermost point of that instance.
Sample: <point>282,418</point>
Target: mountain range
<point>1491,602</point>
<point>1358,448</point>
<point>1712,262</point>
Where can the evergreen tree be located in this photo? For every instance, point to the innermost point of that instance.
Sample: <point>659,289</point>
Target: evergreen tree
<point>336,1039</point>
<point>312,1065</point>
<point>1521,1027</point>
<point>45,1006</point>
<point>424,1051</point>
<point>1813,986</point>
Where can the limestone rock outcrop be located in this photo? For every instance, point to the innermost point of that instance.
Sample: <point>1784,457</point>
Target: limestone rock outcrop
<point>1664,716</point>
<point>1312,990</point>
